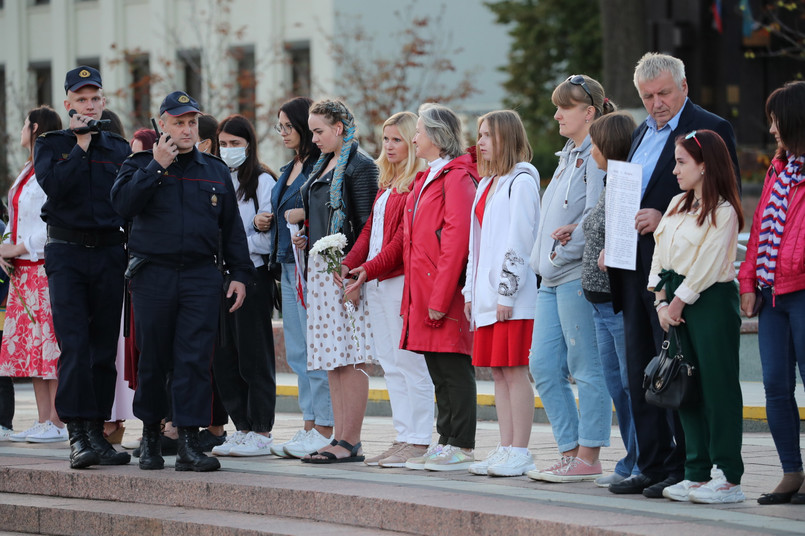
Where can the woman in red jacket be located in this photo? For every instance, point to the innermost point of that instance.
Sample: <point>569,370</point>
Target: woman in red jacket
<point>410,387</point>
<point>434,245</point>
<point>774,270</point>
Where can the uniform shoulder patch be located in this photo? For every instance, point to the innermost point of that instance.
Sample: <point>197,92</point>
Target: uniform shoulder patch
<point>218,158</point>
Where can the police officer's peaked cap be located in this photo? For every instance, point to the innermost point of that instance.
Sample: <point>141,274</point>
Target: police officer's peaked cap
<point>82,76</point>
<point>179,103</point>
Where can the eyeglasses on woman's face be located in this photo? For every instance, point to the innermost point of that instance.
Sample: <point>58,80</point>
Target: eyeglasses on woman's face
<point>287,128</point>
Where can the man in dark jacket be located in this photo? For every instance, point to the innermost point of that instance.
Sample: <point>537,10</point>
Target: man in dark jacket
<point>660,81</point>
<point>84,262</point>
<point>180,201</point>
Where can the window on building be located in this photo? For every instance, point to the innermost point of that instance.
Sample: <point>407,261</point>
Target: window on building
<point>299,54</point>
<point>191,60</point>
<point>245,81</point>
<point>43,83</point>
<point>140,88</point>
<point>4,137</point>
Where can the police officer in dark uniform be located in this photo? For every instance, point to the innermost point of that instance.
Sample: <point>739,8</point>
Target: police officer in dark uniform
<point>84,262</point>
<point>180,200</point>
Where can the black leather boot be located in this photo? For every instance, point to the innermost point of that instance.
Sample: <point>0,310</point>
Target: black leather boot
<point>106,452</point>
<point>151,448</point>
<point>190,457</point>
<point>81,452</point>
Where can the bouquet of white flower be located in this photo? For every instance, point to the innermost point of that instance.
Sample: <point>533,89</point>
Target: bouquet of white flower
<point>331,247</point>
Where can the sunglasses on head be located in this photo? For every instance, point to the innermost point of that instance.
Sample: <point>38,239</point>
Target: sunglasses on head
<point>578,80</point>
<point>693,135</point>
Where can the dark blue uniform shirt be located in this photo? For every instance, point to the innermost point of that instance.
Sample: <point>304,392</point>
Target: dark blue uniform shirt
<point>77,183</point>
<point>178,211</point>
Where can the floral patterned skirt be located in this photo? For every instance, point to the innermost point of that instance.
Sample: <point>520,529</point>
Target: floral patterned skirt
<point>29,349</point>
<point>334,338</point>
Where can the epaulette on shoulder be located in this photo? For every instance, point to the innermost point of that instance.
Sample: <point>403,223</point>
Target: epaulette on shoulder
<point>210,155</point>
<point>118,137</point>
<point>148,152</point>
<point>56,133</point>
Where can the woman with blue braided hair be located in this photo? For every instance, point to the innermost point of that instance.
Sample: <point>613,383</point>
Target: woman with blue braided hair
<point>337,198</point>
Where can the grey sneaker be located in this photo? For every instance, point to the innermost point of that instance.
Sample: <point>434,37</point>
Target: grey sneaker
<point>605,481</point>
<point>395,447</point>
<point>401,457</point>
<point>418,462</point>
<point>450,459</point>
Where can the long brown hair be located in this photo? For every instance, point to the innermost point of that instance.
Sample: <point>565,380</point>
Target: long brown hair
<point>46,120</point>
<point>719,176</point>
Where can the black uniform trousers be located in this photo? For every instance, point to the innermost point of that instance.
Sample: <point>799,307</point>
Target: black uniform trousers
<point>86,298</point>
<point>6,402</point>
<point>660,439</point>
<point>176,319</point>
<point>245,369</point>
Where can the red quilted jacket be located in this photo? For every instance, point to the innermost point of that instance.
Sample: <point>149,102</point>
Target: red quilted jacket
<point>790,273</point>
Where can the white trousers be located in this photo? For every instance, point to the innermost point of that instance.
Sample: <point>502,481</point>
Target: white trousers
<point>407,378</point>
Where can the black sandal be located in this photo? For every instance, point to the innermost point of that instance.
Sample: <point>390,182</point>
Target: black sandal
<point>317,453</point>
<point>329,457</point>
<point>776,498</point>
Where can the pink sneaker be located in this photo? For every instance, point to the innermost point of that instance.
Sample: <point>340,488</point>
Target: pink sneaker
<point>569,469</point>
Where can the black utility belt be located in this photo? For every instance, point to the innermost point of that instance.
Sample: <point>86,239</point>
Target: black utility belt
<point>88,239</point>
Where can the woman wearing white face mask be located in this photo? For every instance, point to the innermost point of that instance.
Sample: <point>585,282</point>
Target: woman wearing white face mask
<point>244,366</point>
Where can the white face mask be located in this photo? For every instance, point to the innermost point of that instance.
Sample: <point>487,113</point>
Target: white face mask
<point>233,156</point>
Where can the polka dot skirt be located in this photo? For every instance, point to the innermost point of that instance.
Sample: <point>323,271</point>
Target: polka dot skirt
<point>334,339</point>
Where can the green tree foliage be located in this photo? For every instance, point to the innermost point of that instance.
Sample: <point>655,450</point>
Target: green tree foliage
<point>551,39</point>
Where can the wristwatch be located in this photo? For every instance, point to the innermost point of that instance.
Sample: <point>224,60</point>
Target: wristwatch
<point>659,304</point>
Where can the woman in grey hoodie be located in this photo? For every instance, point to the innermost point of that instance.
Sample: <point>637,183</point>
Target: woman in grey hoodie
<point>564,341</point>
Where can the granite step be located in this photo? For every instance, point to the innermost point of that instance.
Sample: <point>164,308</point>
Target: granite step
<point>39,492</point>
<point>59,516</point>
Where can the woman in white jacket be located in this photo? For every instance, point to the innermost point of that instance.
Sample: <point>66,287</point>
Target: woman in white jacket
<point>29,347</point>
<point>501,291</point>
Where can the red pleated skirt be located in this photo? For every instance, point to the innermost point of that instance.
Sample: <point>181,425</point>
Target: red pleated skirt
<point>503,344</point>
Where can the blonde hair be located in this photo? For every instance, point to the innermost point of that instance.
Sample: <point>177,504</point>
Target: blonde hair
<point>510,143</point>
<point>400,176</point>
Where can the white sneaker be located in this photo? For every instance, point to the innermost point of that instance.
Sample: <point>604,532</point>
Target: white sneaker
<point>418,462</point>
<point>717,491</point>
<point>495,456</point>
<point>278,449</point>
<point>50,433</point>
<point>680,490</point>
<point>5,433</point>
<point>253,444</point>
<point>23,436</point>
<point>231,442</point>
<point>312,443</point>
<point>515,464</point>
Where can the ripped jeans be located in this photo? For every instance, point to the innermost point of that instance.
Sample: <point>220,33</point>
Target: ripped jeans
<point>564,344</point>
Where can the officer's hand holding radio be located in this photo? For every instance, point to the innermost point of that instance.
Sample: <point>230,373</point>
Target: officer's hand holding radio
<point>165,151</point>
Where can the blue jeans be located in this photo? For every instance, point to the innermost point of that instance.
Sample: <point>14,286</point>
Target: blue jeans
<point>781,338</point>
<point>314,387</point>
<point>564,344</point>
<point>612,351</point>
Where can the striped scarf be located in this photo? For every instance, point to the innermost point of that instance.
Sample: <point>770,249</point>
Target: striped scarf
<point>772,223</point>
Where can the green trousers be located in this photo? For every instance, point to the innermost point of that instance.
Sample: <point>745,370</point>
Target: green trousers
<point>710,340</point>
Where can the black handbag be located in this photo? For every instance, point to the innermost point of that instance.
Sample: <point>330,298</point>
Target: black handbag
<point>670,381</point>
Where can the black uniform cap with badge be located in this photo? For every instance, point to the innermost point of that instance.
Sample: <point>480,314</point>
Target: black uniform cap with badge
<point>179,103</point>
<point>81,76</point>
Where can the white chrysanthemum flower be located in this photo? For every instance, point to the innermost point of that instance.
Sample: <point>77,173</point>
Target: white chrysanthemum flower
<point>335,242</point>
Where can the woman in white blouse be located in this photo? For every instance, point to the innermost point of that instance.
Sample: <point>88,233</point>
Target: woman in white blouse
<point>692,276</point>
<point>29,347</point>
<point>244,361</point>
